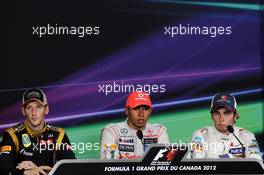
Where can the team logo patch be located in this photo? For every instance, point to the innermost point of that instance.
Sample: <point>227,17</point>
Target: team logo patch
<point>26,140</point>
<point>224,97</point>
<point>50,140</point>
<point>126,148</point>
<point>149,131</point>
<point>141,96</point>
<point>253,144</point>
<point>109,151</point>
<point>33,95</point>
<point>198,139</point>
<point>25,153</point>
<point>150,140</point>
<point>129,156</point>
<point>42,142</point>
<point>124,131</point>
<point>5,149</point>
<point>126,140</point>
<point>224,156</point>
<point>222,138</point>
<point>236,151</point>
<point>110,146</point>
<point>53,128</point>
<point>19,127</point>
<point>254,152</point>
<point>197,147</point>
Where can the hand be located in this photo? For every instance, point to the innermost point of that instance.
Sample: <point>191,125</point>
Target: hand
<point>44,169</point>
<point>33,171</point>
<point>26,165</point>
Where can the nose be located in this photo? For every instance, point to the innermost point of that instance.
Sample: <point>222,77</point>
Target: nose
<point>221,118</point>
<point>141,112</point>
<point>34,111</point>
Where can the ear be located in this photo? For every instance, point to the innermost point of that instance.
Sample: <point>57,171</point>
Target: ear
<point>46,110</point>
<point>23,111</point>
<point>211,113</point>
<point>126,111</point>
<point>235,116</point>
<point>150,111</point>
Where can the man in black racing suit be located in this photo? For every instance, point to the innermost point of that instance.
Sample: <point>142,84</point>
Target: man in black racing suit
<point>33,147</point>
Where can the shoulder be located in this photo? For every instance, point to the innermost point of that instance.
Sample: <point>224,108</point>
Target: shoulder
<point>202,131</point>
<point>155,128</point>
<point>16,128</point>
<point>55,129</point>
<point>155,125</point>
<point>201,134</point>
<point>114,130</point>
<point>115,126</point>
<point>244,133</point>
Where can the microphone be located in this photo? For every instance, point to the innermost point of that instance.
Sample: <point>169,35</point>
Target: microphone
<point>140,135</point>
<point>231,130</point>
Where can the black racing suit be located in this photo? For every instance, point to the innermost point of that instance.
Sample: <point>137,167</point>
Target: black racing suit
<point>45,147</point>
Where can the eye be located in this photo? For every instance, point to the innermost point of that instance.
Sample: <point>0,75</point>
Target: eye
<point>146,108</point>
<point>136,108</point>
<point>227,113</point>
<point>38,106</point>
<point>28,108</point>
<point>215,113</point>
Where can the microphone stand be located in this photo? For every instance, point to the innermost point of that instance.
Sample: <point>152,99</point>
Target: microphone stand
<point>231,130</point>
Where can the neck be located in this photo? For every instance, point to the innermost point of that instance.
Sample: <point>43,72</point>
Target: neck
<point>35,128</point>
<point>223,133</point>
<point>133,126</point>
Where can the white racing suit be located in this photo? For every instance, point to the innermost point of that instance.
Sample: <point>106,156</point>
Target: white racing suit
<point>208,142</point>
<point>119,141</point>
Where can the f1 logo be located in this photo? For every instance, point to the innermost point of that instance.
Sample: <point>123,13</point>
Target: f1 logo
<point>169,155</point>
<point>160,154</point>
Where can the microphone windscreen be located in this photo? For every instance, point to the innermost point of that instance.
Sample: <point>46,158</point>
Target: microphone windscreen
<point>230,128</point>
<point>140,134</point>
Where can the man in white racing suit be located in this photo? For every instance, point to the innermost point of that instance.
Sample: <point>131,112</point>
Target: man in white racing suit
<point>131,138</point>
<point>219,141</point>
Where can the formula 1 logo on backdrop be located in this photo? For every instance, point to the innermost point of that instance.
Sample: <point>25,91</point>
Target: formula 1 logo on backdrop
<point>164,157</point>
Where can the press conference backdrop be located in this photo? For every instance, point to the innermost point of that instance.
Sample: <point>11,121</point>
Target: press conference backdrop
<point>181,52</point>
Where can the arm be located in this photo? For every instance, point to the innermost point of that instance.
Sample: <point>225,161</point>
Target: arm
<point>252,147</point>
<point>64,151</point>
<point>108,144</point>
<point>8,155</point>
<point>163,136</point>
<point>8,158</point>
<point>197,146</point>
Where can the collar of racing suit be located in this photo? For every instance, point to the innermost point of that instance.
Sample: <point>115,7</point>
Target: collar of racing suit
<point>226,136</point>
<point>127,126</point>
<point>34,133</point>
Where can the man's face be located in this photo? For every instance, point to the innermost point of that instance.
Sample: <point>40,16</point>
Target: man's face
<point>35,112</point>
<point>138,116</point>
<point>223,117</point>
